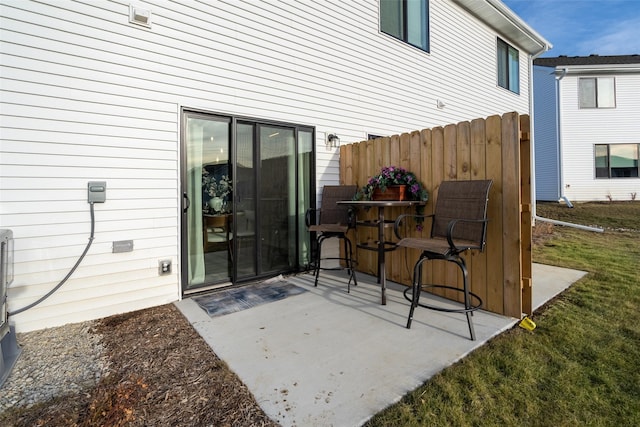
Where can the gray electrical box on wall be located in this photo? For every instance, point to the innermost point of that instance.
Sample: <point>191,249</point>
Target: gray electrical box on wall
<point>122,246</point>
<point>97,191</point>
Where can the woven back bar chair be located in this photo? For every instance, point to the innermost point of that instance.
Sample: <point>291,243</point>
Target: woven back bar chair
<point>333,221</point>
<point>459,224</point>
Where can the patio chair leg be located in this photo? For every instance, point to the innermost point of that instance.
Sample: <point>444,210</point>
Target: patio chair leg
<point>471,330</point>
<point>353,268</point>
<point>349,261</point>
<point>345,243</point>
<point>416,289</point>
<point>318,258</point>
<point>467,297</point>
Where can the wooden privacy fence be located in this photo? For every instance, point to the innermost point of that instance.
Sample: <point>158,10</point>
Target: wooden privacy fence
<point>496,148</point>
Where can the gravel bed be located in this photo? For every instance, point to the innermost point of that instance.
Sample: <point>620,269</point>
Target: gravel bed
<point>54,362</point>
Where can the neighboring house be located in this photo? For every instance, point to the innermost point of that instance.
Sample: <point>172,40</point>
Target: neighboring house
<point>165,103</point>
<point>586,120</point>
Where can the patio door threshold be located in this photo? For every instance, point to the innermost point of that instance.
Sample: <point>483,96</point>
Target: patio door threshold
<point>206,288</point>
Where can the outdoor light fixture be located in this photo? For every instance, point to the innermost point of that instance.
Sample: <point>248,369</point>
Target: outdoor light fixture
<point>333,140</point>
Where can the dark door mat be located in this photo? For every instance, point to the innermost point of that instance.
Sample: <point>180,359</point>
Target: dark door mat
<point>238,299</point>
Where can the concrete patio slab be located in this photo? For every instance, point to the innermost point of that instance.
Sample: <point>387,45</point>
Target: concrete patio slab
<point>329,358</point>
<point>549,281</point>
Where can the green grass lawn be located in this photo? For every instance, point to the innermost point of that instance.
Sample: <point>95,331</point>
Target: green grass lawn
<point>580,366</point>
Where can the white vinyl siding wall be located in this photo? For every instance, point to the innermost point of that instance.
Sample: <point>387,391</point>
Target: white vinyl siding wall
<point>85,95</point>
<point>583,128</point>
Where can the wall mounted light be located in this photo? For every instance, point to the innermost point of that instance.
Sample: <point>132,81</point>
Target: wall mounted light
<point>333,140</point>
<point>139,16</point>
<point>440,104</point>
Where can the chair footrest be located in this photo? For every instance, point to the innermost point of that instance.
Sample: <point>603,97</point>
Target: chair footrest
<point>331,268</point>
<point>346,260</point>
<point>388,246</point>
<point>473,307</point>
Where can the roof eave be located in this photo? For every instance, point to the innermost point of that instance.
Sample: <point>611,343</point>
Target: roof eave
<point>498,16</point>
<point>601,69</point>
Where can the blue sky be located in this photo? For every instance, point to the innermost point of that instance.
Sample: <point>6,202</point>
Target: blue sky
<point>583,27</point>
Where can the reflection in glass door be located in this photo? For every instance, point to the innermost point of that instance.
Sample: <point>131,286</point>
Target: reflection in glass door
<point>245,200</point>
<point>277,197</point>
<point>208,209</point>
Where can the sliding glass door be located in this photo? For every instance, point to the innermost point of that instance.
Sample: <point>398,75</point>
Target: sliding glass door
<point>244,217</point>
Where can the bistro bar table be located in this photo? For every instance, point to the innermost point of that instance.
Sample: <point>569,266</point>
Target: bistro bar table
<point>383,245</point>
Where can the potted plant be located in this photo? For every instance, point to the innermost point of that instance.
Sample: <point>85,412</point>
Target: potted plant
<point>391,176</point>
<point>394,176</point>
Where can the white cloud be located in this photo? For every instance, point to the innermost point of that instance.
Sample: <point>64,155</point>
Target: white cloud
<point>584,27</point>
<point>621,38</point>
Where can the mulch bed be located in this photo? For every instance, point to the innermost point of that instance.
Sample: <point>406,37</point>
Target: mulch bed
<point>161,373</point>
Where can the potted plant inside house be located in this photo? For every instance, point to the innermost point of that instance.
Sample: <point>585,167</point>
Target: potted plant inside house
<point>218,191</point>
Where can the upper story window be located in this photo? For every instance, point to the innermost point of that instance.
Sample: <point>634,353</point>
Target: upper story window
<point>508,67</point>
<point>617,160</point>
<point>407,20</point>
<point>597,92</point>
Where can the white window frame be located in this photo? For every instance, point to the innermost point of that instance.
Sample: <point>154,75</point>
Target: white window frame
<point>596,92</point>
<point>508,66</point>
<point>603,161</point>
<point>408,21</point>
